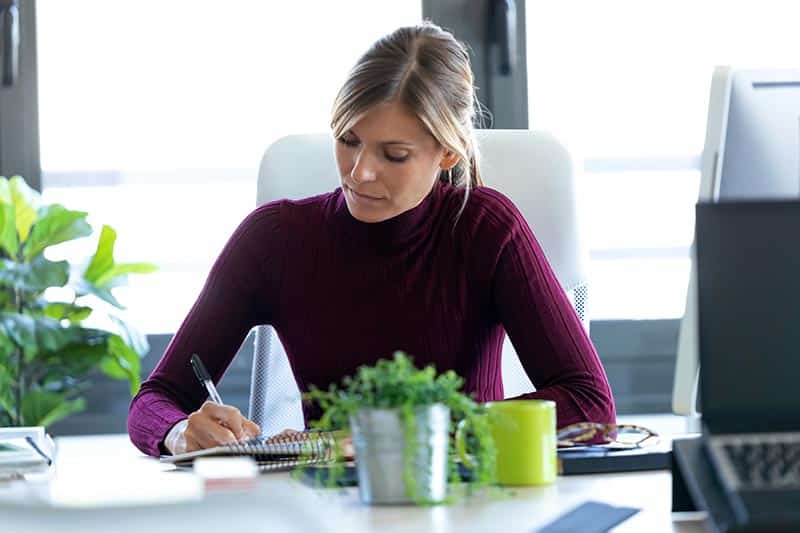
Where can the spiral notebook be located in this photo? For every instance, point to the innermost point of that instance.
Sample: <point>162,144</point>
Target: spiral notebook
<point>275,453</point>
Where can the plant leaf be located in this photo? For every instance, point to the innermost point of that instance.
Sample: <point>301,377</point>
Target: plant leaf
<point>6,300</point>
<point>122,362</point>
<point>51,335</point>
<point>7,346</point>
<point>5,191</point>
<point>112,368</point>
<point>35,276</point>
<point>78,358</point>
<point>120,270</point>
<point>55,224</point>
<point>21,329</point>
<point>26,202</point>
<point>37,334</point>
<point>103,259</point>
<point>61,310</point>
<point>83,287</point>
<point>42,408</point>
<point>74,361</point>
<point>6,389</point>
<point>103,272</point>
<point>8,226</point>
<point>132,336</point>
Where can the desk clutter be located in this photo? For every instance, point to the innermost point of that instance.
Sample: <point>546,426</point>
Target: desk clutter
<point>285,452</point>
<point>602,461</point>
<point>24,450</point>
<point>570,462</point>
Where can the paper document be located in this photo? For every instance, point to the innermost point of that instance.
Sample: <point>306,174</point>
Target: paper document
<point>24,450</point>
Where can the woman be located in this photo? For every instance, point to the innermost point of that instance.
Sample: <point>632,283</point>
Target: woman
<point>410,253</point>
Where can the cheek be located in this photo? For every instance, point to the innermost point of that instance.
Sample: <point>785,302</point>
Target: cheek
<point>410,184</point>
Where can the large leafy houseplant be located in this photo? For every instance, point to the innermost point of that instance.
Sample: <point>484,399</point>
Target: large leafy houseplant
<point>46,348</point>
<point>396,384</point>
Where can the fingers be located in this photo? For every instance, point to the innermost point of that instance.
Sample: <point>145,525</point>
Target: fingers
<point>251,428</point>
<point>347,448</point>
<point>228,416</point>
<point>216,435</point>
<point>204,431</point>
<point>214,425</point>
<point>283,435</point>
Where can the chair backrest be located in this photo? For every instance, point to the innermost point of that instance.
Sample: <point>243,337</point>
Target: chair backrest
<point>530,167</point>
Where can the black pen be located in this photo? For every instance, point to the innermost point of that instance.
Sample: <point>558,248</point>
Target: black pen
<point>33,445</point>
<point>204,378</point>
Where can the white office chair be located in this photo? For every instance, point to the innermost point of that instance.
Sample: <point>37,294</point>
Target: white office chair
<point>530,167</point>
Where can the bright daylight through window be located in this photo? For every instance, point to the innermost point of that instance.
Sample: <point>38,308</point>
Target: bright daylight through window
<point>155,120</point>
<point>161,137</point>
<point>627,84</point>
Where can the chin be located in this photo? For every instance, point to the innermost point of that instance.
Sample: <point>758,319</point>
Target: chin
<point>366,215</point>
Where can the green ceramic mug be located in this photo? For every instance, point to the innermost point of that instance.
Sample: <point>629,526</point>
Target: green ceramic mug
<point>524,433</point>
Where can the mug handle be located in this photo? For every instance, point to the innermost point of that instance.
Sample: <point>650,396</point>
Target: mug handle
<point>461,445</point>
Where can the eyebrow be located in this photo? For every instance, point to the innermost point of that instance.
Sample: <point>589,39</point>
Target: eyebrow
<point>405,143</point>
<point>384,143</point>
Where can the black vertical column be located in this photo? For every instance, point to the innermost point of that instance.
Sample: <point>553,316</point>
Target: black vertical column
<point>19,102</point>
<point>478,24</point>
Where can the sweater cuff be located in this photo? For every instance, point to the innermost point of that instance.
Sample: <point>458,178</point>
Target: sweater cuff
<point>166,421</point>
<point>175,439</point>
<point>149,422</point>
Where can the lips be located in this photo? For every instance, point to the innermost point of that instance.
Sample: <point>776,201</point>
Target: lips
<point>364,195</point>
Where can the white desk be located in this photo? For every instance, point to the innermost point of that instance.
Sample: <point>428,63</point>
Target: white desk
<point>108,468</point>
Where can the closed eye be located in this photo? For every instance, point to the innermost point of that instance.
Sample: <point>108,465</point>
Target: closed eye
<point>353,141</point>
<point>348,141</point>
<point>396,159</point>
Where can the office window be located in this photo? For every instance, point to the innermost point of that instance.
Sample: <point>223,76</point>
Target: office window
<point>154,116</point>
<point>626,83</point>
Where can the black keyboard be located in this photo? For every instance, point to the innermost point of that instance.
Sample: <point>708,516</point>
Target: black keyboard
<point>765,465</point>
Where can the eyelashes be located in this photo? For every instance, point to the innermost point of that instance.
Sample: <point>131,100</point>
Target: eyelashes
<point>352,143</point>
<point>348,142</point>
<point>395,159</point>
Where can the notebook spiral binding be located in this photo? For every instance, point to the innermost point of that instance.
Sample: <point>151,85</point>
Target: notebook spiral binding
<point>305,447</point>
<point>277,453</point>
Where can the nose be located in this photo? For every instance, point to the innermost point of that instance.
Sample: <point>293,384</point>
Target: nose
<point>364,167</point>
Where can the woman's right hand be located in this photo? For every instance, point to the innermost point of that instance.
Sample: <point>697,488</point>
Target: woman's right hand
<point>214,425</point>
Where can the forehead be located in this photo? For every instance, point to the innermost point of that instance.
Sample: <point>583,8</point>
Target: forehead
<point>391,121</point>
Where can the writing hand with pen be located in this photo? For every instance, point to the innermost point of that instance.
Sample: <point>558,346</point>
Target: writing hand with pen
<point>214,424</point>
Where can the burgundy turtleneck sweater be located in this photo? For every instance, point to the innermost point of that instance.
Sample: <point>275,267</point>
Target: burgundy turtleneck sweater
<point>342,293</point>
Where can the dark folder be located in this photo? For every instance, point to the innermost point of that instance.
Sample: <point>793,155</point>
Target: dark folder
<point>600,461</point>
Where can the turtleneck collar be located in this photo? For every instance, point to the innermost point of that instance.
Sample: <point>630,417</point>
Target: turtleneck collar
<point>392,233</point>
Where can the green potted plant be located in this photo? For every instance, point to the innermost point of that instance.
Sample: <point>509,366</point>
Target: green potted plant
<point>399,418</point>
<point>47,348</point>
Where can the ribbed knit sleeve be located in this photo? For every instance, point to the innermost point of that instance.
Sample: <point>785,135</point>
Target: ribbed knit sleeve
<point>544,328</point>
<point>240,293</point>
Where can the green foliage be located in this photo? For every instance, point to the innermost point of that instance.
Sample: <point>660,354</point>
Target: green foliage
<point>46,350</point>
<point>9,241</point>
<point>54,224</point>
<point>48,407</point>
<point>398,384</point>
<point>103,273</point>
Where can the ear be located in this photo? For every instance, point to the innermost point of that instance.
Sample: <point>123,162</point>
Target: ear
<point>449,160</point>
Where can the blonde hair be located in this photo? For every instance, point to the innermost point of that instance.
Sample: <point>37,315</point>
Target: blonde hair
<point>427,70</point>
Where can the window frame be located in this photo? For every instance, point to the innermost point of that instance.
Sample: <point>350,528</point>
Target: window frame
<point>19,105</point>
